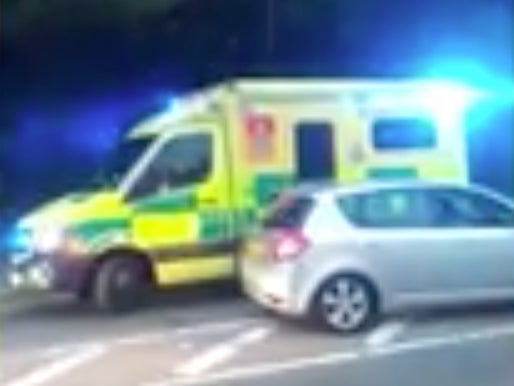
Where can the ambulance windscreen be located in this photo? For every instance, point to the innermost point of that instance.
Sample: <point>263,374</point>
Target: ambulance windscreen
<point>122,159</point>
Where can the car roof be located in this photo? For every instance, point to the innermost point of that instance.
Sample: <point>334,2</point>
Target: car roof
<point>330,188</point>
<point>396,184</point>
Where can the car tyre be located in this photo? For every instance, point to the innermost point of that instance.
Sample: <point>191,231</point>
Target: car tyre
<point>345,304</point>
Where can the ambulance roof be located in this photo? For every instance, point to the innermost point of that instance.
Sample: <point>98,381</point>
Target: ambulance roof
<point>185,108</point>
<point>331,85</point>
<point>200,102</point>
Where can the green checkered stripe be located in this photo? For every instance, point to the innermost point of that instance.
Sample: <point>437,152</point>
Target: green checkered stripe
<point>391,173</point>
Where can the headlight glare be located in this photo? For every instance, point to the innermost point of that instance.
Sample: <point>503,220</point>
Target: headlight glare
<point>48,239</point>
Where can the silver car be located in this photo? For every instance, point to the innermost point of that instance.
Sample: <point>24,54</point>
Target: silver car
<point>344,256</point>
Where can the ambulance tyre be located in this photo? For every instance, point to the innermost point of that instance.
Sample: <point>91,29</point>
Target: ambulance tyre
<point>121,284</point>
<point>83,295</point>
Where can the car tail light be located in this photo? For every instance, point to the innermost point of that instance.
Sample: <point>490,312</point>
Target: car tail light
<point>288,245</point>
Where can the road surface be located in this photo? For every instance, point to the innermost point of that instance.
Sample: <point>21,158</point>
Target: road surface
<point>211,336</point>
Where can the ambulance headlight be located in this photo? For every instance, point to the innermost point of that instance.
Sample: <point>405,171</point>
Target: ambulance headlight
<point>48,239</point>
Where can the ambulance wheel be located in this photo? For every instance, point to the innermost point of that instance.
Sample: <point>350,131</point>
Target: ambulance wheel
<point>121,284</point>
<point>83,295</point>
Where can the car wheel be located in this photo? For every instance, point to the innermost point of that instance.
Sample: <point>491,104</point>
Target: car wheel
<point>346,304</point>
<point>120,285</point>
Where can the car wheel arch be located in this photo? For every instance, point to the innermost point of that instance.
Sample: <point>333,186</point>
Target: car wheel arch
<point>371,278</point>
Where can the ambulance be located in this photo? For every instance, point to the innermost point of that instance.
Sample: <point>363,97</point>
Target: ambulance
<point>188,183</point>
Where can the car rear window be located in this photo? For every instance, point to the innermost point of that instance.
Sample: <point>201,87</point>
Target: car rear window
<point>288,212</point>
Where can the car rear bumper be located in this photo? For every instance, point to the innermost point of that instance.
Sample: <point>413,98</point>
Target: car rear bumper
<point>270,288</point>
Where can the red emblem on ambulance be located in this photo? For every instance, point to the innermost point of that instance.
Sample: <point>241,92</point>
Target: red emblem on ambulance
<point>260,135</point>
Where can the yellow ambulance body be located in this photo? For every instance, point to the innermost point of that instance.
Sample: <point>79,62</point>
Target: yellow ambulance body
<point>192,180</point>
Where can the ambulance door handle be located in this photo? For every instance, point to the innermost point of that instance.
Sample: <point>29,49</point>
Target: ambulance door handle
<point>208,201</point>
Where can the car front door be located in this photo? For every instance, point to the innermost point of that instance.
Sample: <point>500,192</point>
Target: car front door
<point>479,229</point>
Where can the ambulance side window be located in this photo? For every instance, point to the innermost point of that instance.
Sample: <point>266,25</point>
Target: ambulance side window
<point>395,134</point>
<point>314,151</point>
<point>182,161</point>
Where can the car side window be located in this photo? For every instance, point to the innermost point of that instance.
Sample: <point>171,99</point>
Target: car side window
<point>455,207</point>
<point>392,208</point>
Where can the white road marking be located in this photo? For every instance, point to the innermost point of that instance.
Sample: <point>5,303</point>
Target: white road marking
<point>185,346</point>
<point>214,356</point>
<point>139,338</point>
<point>265,369</point>
<point>55,369</point>
<point>385,334</point>
<point>222,326</point>
<point>342,357</point>
<point>222,352</point>
<point>446,340</point>
<point>50,352</point>
<point>200,329</point>
<point>60,350</point>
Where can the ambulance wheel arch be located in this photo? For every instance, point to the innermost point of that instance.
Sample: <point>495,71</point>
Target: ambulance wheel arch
<point>119,280</point>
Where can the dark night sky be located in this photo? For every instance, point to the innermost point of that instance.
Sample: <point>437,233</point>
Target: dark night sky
<point>56,48</point>
<point>81,67</point>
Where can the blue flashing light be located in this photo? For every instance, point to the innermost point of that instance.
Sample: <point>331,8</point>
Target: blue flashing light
<point>493,87</point>
<point>478,91</point>
<point>171,103</point>
<point>449,102</point>
<point>18,240</point>
<point>164,101</point>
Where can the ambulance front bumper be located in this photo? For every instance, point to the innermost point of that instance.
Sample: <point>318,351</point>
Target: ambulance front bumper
<point>36,274</point>
<point>53,273</point>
